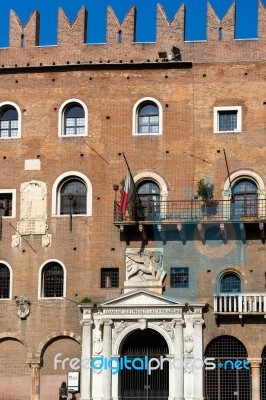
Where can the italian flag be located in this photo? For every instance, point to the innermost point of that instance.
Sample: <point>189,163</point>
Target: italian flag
<point>127,193</point>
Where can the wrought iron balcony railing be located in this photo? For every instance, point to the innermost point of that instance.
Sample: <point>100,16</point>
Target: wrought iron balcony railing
<point>241,303</point>
<point>193,211</point>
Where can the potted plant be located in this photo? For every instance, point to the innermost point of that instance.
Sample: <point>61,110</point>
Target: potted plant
<point>205,192</point>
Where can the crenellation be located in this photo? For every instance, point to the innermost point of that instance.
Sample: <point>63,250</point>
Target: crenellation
<point>117,33</point>
<point>170,32</point>
<point>121,46</point>
<point>261,22</point>
<point>24,36</point>
<point>72,34</point>
<point>213,25</point>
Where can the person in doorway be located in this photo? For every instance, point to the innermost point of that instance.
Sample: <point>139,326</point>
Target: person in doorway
<point>63,391</point>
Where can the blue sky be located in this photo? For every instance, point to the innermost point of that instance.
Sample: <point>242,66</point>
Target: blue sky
<point>246,20</point>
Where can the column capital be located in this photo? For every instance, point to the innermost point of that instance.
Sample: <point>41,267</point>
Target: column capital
<point>255,362</point>
<point>179,322</point>
<point>198,321</point>
<point>86,322</point>
<point>107,322</point>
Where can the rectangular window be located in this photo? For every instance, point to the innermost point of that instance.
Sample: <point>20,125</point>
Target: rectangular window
<point>227,119</point>
<point>7,203</point>
<point>179,277</point>
<point>109,277</point>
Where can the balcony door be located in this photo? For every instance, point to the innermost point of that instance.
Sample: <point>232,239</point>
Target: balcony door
<point>149,196</point>
<point>245,199</point>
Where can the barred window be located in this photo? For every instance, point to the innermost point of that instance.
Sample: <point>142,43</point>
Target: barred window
<point>179,277</point>
<point>230,283</point>
<point>4,282</point>
<point>8,122</point>
<point>227,121</point>
<point>109,277</point>
<point>53,280</point>
<point>74,120</point>
<point>6,204</point>
<point>73,196</point>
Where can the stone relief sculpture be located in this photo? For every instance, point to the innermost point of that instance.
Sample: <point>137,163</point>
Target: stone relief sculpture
<point>118,328</point>
<point>23,307</point>
<point>97,340</point>
<point>188,336</point>
<point>169,326</point>
<point>33,205</point>
<point>144,266</point>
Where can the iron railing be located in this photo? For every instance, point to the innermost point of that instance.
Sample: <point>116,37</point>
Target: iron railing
<point>192,211</point>
<point>240,303</point>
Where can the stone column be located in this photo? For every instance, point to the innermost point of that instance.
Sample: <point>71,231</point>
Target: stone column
<point>198,359</point>
<point>35,380</point>
<point>255,377</point>
<point>178,370</point>
<point>107,353</point>
<point>85,381</point>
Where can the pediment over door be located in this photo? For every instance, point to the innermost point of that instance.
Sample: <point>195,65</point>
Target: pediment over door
<point>141,298</point>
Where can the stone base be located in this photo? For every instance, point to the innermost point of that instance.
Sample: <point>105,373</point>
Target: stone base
<point>152,285</point>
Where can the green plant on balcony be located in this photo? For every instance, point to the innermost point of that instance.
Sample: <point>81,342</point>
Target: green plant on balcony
<point>205,191</point>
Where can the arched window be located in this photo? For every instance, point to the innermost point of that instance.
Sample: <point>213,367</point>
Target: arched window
<point>147,117</point>
<point>149,199</point>
<point>4,282</point>
<point>226,381</point>
<point>9,122</point>
<point>52,280</point>
<point>245,198</point>
<point>230,283</point>
<point>74,120</point>
<point>73,197</point>
<point>72,194</point>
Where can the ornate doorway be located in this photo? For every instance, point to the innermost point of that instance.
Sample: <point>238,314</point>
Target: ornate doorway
<point>138,383</point>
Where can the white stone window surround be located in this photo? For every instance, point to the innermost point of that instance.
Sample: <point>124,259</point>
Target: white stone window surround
<point>13,192</point>
<point>216,111</point>
<point>135,116</point>
<point>10,279</point>
<point>56,193</point>
<point>61,127</point>
<point>11,104</point>
<point>40,280</point>
<point>252,176</point>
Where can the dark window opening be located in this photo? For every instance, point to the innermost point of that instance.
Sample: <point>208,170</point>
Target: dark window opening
<point>220,34</point>
<point>73,196</point>
<point>5,204</point>
<point>4,282</point>
<point>245,196</point>
<point>53,280</point>
<point>119,37</point>
<point>109,277</point>
<point>148,200</point>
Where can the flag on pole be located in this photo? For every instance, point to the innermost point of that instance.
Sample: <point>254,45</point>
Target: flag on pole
<point>128,191</point>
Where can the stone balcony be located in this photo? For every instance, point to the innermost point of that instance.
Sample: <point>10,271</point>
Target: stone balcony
<point>240,304</point>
